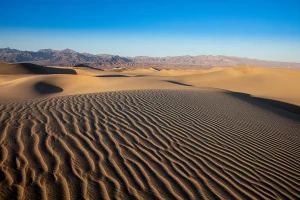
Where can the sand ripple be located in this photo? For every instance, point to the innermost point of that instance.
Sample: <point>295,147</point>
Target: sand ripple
<point>150,144</point>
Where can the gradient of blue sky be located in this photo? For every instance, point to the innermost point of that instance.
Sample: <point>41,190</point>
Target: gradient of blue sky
<point>250,28</point>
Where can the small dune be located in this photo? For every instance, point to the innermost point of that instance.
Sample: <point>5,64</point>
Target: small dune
<point>28,68</point>
<point>22,88</point>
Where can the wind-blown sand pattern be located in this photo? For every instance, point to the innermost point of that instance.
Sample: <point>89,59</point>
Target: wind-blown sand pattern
<point>148,144</point>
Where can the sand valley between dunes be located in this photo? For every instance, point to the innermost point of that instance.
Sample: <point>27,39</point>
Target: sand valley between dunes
<point>79,133</point>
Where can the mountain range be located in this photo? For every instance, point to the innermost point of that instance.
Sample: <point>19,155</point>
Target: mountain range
<point>68,57</point>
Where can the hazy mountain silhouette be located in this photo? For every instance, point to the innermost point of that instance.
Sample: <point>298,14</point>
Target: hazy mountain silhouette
<point>68,57</point>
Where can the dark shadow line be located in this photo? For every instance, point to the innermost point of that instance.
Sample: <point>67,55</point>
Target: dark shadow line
<point>45,88</point>
<point>39,69</point>
<point>288,110</point>
<point>178,83</point>
<point>112,75</point>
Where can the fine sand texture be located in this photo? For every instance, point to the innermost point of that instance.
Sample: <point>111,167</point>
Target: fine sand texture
<point>148,144</point>
<point>82,133</point>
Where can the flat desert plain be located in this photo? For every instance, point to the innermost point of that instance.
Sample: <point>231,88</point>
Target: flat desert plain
<point>81,133</point>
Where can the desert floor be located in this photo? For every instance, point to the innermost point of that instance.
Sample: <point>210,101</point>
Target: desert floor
<point>78,133</point>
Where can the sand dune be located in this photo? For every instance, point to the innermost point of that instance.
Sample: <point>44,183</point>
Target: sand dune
<point>80,133</point>
<point>23,88</point>
<point>148,144</point>
<point>28,68</point>
<point>278,84</point>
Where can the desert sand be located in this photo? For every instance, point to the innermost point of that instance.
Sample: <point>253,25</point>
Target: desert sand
<point>79,133</point>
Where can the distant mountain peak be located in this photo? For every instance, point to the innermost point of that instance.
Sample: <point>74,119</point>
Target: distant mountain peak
<point>68,51</point>
<point>69,57</point>
<point>9,50</point>
<point>47,51</point>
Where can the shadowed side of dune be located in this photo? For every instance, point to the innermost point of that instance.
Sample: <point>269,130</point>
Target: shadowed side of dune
<point>119,76</point>
<point>87,66</point>
<point>178,83</point>
<point>28,68</point>
<point>147,144</point>
<point>270,104</point>
<point>45,88</point>
<point>112,75</point>
<point>256,81</point>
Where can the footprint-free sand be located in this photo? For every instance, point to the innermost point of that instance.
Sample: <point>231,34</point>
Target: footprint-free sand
<point>149,134</point>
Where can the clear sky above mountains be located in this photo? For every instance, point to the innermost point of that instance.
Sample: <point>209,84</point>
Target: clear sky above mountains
<point>251,28</point>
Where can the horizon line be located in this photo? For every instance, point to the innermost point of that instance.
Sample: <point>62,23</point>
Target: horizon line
<point>98,54</point>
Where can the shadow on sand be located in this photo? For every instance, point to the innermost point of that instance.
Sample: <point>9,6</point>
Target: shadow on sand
<point>45,88</point>
<point>112,76</point>
<point>281,108</point>
<point>38,69</point>
<point>179,83</point>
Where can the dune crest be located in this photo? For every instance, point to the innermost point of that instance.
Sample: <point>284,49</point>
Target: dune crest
<point>28,68</point>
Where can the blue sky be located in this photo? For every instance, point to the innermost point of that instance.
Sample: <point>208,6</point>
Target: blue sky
<point>250,28</point>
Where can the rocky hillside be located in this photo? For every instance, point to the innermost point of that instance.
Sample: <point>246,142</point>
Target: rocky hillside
<point>208,60</point>
<point>66,57</point>
<point>69,57</point>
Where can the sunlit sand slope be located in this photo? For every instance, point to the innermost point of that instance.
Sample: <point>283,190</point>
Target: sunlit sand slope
<point>148,144</point>
<point>28,81</point>
<point>276,84</point>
